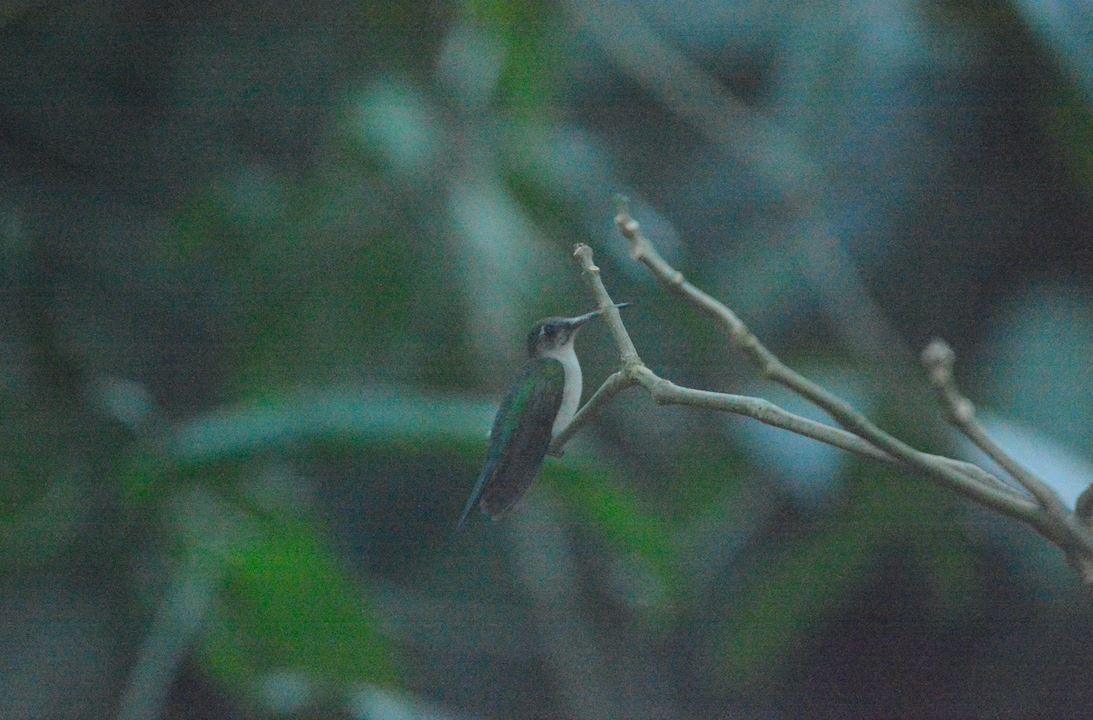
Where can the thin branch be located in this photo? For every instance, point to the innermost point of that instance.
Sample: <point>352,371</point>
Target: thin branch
<point>857,435</point>
<point>1061,527</point>
<point>665,392</point>
<point>996,493</point>
<point>591,273</point>
<point>767,362</point>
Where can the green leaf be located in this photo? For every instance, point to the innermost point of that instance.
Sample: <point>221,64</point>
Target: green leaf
<point>287,609</point>
<point>380,416</point>
<point>648,572</point>
<point>804,579</point>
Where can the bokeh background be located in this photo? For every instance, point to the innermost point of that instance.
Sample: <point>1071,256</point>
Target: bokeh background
<point>267,269</point>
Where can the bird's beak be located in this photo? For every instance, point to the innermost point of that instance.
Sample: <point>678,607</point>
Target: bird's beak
<point>582,319</point>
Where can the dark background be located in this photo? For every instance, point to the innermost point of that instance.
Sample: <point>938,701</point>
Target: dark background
<point>267,270</point>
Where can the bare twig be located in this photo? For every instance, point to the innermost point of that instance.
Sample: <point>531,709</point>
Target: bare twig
<point>1043,511</point>
<point>992,492</point>
<point>664,392</point>
<point>591,272</point>
<point>938,359</point>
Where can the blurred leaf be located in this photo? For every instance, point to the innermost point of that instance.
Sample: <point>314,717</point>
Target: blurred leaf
<point>1067,117</point>
<point>646,570</point>
<point>1063,469</point>
<point>310,297</point>
<point>795,586</point>
<point>1040,370</point>
<point>141,478</point>
<point>45,526</point>
<point>800,583</point>
<point>43,503</point>
<point>379,415</point>
<point>396,120</point>
<point>288,607</point>
<point>1066,28</point>
<point>533,60</point>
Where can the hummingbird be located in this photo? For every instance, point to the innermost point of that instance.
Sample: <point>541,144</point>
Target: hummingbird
<point>541,402</point>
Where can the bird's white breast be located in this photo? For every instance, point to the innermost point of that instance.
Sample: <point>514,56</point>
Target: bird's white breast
<point>571,390</point>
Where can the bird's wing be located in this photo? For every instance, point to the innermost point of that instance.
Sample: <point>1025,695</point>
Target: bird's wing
<point>520,438</point>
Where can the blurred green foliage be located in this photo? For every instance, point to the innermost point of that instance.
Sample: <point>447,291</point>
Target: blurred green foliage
<point>266,274</point>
